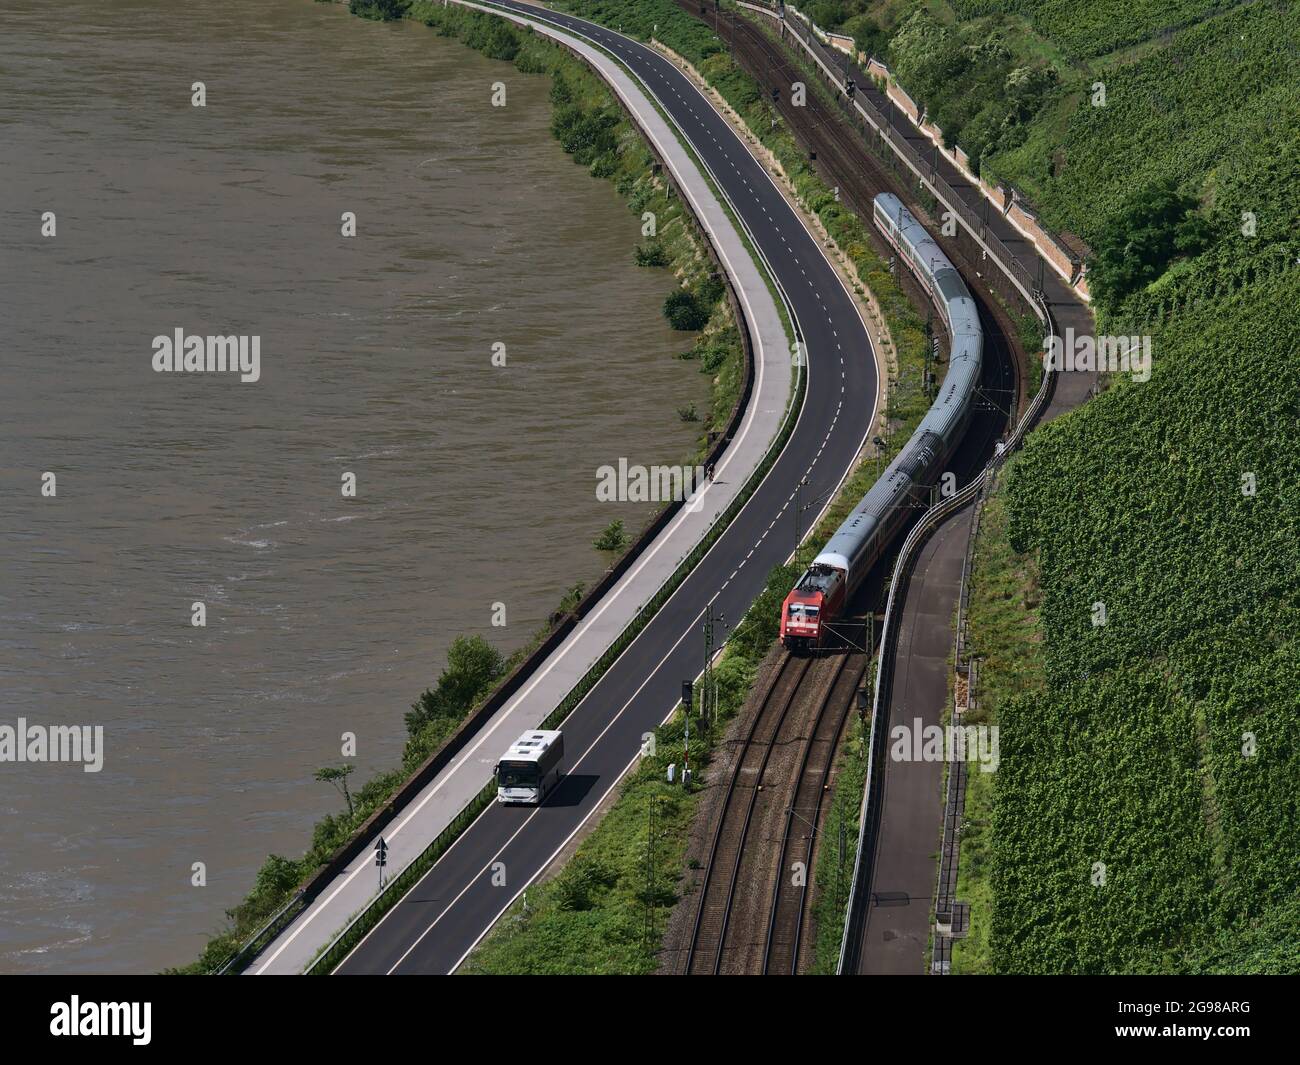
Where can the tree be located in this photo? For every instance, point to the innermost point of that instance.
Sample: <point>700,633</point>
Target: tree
<point>1155,225</point>
<point>685,312</point>
<point>614,537</point>
<point>585,133</point>
<point>473,665</point>
<point>277,876</point>
<point>499,42</point>
<point>338,776</point>
<point>652,253</point>
<point>385,10</point>
<point>561,91</point>
<point>868,37</point>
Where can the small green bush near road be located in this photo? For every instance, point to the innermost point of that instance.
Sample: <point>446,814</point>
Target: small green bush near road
<point>613,538</point>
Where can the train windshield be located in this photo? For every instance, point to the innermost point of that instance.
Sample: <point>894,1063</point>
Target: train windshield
<point>804,610</point>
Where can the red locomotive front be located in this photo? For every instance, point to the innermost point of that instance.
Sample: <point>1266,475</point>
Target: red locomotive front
<point>815,601</point>
<point>801,620</point>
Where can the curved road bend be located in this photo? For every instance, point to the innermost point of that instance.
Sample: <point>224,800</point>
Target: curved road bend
<point>441,919</point>
<point>1066,306</point>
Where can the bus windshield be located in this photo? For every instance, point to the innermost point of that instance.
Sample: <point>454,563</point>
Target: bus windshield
<point>517,775</point>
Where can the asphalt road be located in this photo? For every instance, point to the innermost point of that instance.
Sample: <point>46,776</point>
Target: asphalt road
<point>1066,307</point>
<point>441,919</point>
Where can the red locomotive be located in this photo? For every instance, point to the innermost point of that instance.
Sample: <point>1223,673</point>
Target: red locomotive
<point>814,602</point>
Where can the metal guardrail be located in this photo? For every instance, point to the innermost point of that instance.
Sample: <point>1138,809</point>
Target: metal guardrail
<point>947,910</point>
<point>949,914</point>
<point>963,599</point>
<point>276,923</point>
<point>837,71</point>
<point>954,799</point>
<point>372,913</point>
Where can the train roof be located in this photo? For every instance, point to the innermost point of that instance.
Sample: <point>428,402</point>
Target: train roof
<point>817,578</point>
<point>951,286</point>
<point>933,437</point>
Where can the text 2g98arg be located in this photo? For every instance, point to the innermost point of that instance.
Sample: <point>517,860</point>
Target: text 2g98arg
<point>1151,1008</point>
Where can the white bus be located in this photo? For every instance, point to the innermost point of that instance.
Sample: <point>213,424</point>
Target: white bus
<point>531,768</point>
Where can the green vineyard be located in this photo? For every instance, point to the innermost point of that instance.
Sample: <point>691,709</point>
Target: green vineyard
<point>1146,803</point>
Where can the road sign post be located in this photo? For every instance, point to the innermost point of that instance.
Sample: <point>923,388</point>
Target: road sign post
<point>381,859</point>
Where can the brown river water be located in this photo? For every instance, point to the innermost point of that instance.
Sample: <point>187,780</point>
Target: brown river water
<point>325,614</point>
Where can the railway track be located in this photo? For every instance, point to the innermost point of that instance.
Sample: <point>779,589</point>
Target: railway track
<point>752,912</point>
<point>782,954</point>
<point>845,160</point>
<point>708,936</point>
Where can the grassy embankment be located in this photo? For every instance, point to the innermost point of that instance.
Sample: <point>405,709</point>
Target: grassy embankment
<point>1028,327</point>
<point>833,879</point>
<point>1124,742</point>
<point>1004,628</point>
<point>1141,818</point>
<point>694,41</point>
<point>607,908</point>
<point>592,129</point>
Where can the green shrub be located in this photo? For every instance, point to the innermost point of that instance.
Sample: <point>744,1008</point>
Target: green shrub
<point>1139,242</point>
<point>473,666</point>
<point>613,538</point>
<point>384,10</point>
<point>685,311</point>
<point>651,254</point>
